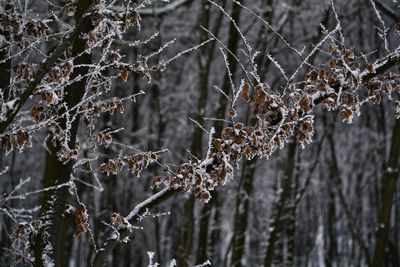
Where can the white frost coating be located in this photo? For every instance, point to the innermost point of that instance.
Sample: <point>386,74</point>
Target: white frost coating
<point>378,64</point>
<point>5,107</point>
<point>210,139</point>
<point>4,171</point>
<point>238,92</point>
<point>172,263</point>
<point>270,27</point>
<point>149,200</point>
<point>161,10</point>
<point>47,261</point>
<point>228,71</point>
<point>23,196</point>
<point>390,170</point>
<point>11,104</point>
<point>319,94</point>
<point>384,28</point>
<point>277,65</point>
<point>206,263</point>
<point>114,236</point>
<point>316,48</point>
<point>166,62</point>
<point>248,46</point>
<point>150,254</point>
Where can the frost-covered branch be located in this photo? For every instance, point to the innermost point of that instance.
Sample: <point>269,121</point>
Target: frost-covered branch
<point>158,11</point>
<point>133,217</point>
<point>42,71</point>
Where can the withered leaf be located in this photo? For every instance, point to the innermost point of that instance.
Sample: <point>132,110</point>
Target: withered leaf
<point>245,92</point>
<point>34,111</point>
<point>123,74</point>
<point>305,103</point>
<point>232,112</point>
<point>217,145</point>
<point>321,74</point>
<point>346,114</point>
<point>370,68</point>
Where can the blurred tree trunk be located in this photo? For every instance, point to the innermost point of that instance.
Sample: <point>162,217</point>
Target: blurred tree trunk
<point>233,43</point>
<point>54,238</point>
<point>196,146</point>
<point>187,233</point>
<point>249,166</point>
<point>135,104</point>
<point>390,181</point>
<point>157,126</point>
<point>206,209</point>
<point>204,68</point>
<point>160,126</point>
<point>275,228</point>
<point>291,221</point>
<point>337,185</point>
<point>186,238</point>
<point>241,211</point>
<point>330,239</point>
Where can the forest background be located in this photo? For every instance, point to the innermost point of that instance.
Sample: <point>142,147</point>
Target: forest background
<point>194,132</point>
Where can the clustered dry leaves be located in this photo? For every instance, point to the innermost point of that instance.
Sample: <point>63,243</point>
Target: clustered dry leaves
<point>135,163</point>
<point>24,235</point>
<point>48,107</point>
<point>279,117</point>
<point>20,140</point>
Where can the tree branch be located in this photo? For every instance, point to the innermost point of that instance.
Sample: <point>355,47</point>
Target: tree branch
<point>380,67</point>
<point>365,76</point>
<point>133,217</point>
<point>157,11</point>
<point>43,69</point>
<point>387,11</point>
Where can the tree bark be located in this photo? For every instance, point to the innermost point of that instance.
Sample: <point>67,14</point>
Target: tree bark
<point>53,239</point>
<point>186,242</point>
<point>241,212</point>
<point>337,185</point>
<point>233,43</point>
<point>390,182</point>
<point>206,209</point>
<point>275,225</point>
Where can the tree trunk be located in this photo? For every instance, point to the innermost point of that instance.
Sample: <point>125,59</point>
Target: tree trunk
<point>54,239</point>
<point>275,224</point>
<point>196,149</point>
<point>331,245</point>
<point>390,181</point>
<point>233,43</point>
<point>241,212</point>
<point>186,241</point>
<point>206,209</point>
